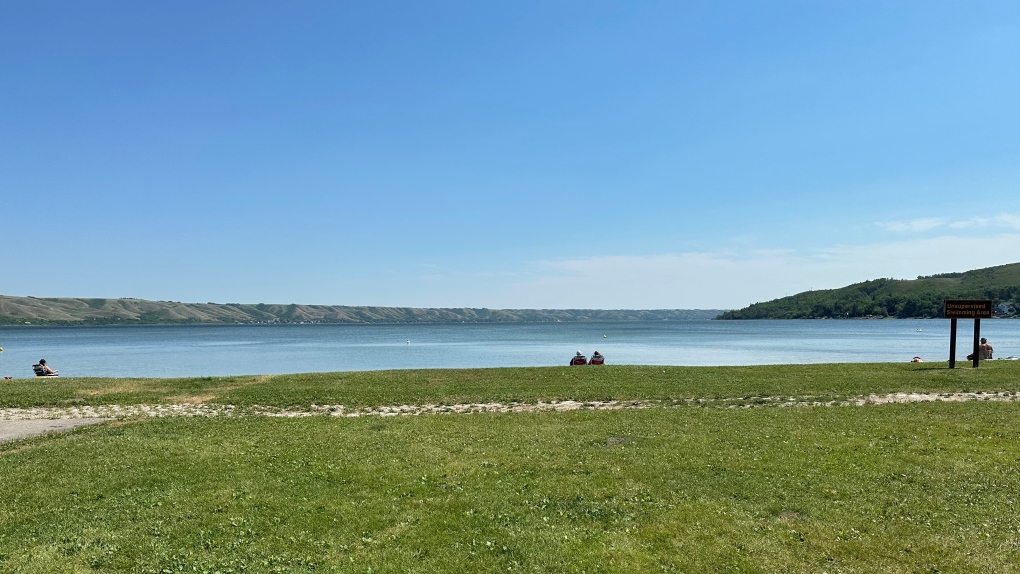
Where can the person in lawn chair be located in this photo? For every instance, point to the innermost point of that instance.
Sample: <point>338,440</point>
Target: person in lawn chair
<point>579,359</point>
<point>597,359</point>
<point>43,370</point>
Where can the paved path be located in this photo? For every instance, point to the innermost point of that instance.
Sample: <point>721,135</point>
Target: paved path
<point>14,430</point>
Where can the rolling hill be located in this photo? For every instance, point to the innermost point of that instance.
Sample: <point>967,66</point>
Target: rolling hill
<point>72,311</point>
<point>909,298</point>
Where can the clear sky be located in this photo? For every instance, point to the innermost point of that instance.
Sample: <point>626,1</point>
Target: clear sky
<point>524,154</point>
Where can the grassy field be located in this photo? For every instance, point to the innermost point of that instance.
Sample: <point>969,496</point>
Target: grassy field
<point>928,487</point>
<point>447,386</point>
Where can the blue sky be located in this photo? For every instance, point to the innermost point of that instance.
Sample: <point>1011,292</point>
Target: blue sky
<point>504,155</point>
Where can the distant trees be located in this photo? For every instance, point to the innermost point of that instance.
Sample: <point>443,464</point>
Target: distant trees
<point>918,298</point>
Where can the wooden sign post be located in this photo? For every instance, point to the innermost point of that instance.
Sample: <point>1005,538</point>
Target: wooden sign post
<point>976,309</point>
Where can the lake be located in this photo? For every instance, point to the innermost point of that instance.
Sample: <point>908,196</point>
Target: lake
<point>206,350</point>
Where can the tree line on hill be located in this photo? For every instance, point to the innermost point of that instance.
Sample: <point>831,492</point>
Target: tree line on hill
<point>914,298</point>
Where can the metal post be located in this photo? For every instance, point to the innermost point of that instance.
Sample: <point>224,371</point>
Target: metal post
<point>952,343</point>
<point>977,341</point>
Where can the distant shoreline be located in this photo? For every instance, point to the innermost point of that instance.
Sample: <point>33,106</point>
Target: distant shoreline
<point>65,311</point>
<point>130,324</point>
<point>334,323</point>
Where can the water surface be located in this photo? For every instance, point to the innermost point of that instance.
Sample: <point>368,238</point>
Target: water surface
<point>206,350</point>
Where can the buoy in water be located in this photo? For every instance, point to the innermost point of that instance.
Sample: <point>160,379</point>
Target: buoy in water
<point>603,336</point>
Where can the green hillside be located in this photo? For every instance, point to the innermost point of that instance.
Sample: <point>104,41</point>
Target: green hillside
<point>913,298</point>
<point>71,311</point>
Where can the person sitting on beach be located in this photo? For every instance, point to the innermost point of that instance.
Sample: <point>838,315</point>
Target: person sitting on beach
<point>984,351</point>
<point>597,359</point>
<point>579,359</point>
<point>44,370</point>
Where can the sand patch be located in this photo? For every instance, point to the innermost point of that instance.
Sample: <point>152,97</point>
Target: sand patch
<point>192,400</point>
<point>205,409</point>
<point>122,387</point>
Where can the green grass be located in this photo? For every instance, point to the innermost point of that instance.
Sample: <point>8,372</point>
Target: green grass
<point>895,488</point>
<point>446,386</point>
<point>927,487</point>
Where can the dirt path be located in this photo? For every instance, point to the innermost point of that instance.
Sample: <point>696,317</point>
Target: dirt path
<point>17,423</point>
<point>18,429</point>
<point>216,410</point>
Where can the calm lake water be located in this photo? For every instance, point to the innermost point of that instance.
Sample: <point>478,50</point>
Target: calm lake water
<point>203,350</point>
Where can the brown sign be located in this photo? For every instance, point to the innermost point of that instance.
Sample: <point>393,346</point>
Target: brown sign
<point>968,309</point>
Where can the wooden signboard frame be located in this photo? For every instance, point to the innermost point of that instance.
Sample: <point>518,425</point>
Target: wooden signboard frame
<point>976,309</point>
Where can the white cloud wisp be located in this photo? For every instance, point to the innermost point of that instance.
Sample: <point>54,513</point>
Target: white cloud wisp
<point>725,280</point>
